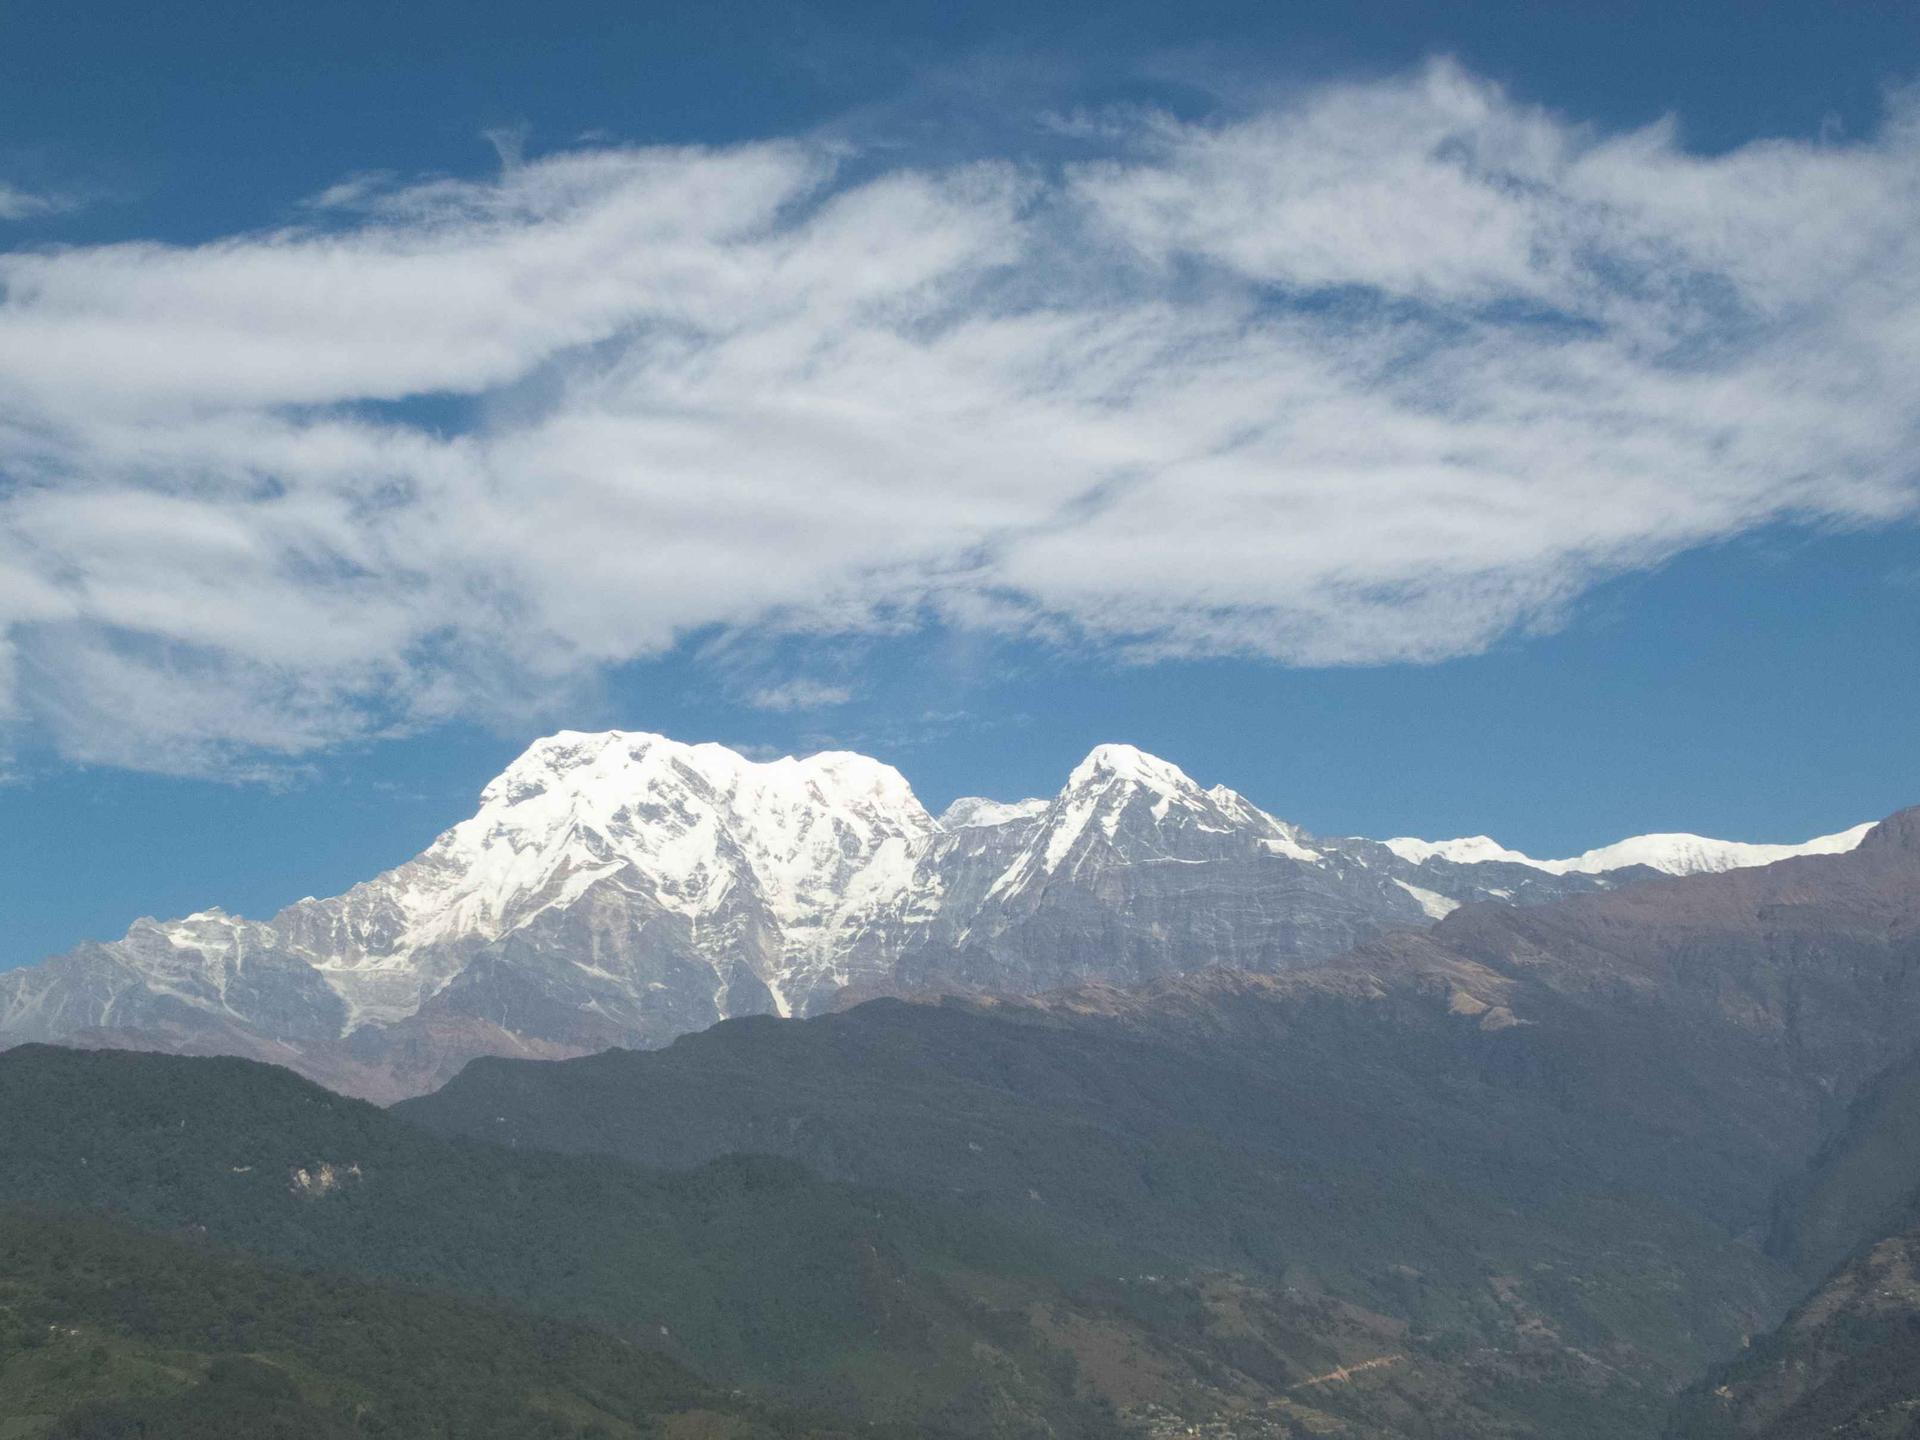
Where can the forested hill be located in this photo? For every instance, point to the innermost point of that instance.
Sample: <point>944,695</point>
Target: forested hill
<point>939,1313</point>
<point>1844,1365</point>
<point>752,1271</point>
<point>110,1333</point>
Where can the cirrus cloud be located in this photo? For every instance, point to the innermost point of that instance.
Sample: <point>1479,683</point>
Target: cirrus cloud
<point>1382,373</point>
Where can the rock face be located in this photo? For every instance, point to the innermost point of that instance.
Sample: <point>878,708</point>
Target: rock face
<point>624,889</point>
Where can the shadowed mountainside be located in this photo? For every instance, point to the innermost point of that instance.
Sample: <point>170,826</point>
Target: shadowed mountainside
<point>1845,1364</point>
<point>1567,1120</point>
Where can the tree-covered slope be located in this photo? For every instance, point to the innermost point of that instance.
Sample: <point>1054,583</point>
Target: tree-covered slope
<point>1565,1266</point>
<point>109,1332</point>
<point>751,1270</point>
<point>924,1311</point>
<point>1325,1135</point>
<point>1845,1365</point>
<point>869,1304</point>
<point>1861,1184</point>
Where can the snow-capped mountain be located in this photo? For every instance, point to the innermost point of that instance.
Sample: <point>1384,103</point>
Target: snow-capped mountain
<point>1670,854</point>
<point>624,888</point>
<point>766,872</point>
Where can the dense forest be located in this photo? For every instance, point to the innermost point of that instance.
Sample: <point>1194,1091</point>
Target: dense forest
<point>109,1333</point>
<point>752,1270</point>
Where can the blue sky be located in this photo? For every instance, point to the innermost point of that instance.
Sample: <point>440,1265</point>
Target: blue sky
<point>1566,492</point>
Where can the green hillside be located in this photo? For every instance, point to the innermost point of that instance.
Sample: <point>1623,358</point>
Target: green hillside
<point>1845,1365</point>
<point>107,1332</point>
<point>1488,1192</point>
<point>751,1271</point>
<point>937,1313</point>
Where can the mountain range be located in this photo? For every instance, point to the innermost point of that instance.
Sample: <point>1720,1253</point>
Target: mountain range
<point>624,889</point>
<point>1528,1173</point>
<point>1525,1171</point>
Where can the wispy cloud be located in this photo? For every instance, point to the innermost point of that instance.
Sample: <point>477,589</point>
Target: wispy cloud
<point>801,694</point>
<point>1381,374</point>
<point>18,204</point>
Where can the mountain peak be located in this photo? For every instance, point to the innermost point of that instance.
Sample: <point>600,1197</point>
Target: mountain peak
<point>852,773</point>
<point>627,764</point>
<point>1900,830</point>
<point>1671,853</point>
<point>1467,850</point>
<point>1686,854</point>
<point>1128,762</point>
<point>562,753</point>
<point>974,811</point>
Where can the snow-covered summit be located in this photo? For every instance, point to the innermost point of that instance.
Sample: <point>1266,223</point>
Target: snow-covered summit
<point>975,812</point>
<point>1130,765</point>
<point>622,765</point>
<point>1467,850</point>
<point>1684,854</point>
<point>1123,806</point>
<point>1671,854</point>
<point>692,830</point>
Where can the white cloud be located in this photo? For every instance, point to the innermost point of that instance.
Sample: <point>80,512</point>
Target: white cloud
<point>18,204</point>
<point>1382,374</point>
<point>801,694</point>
